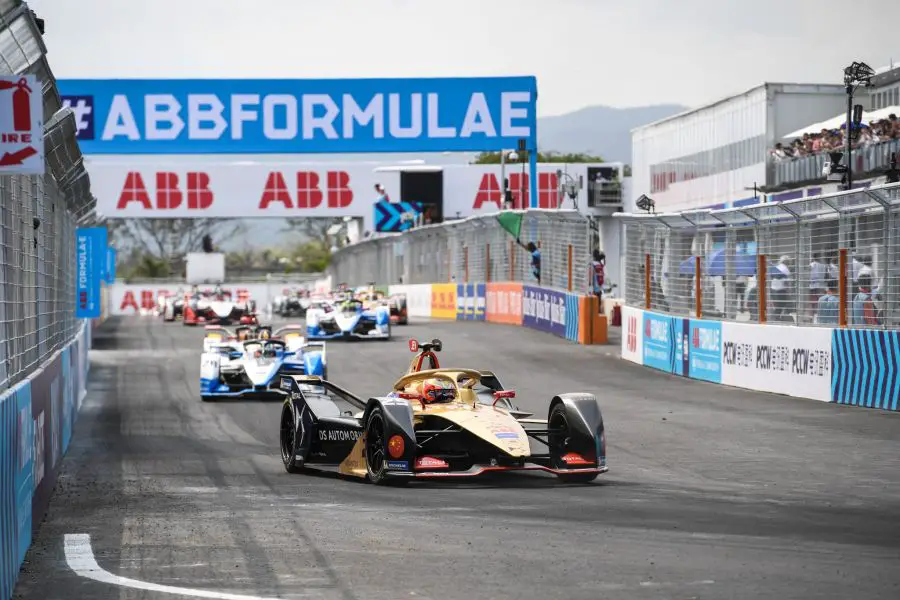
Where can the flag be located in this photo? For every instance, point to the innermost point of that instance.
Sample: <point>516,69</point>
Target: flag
<point>511,222</point>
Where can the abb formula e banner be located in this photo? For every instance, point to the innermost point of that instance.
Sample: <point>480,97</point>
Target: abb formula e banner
<point>274,116</point>
<point>243,189</point>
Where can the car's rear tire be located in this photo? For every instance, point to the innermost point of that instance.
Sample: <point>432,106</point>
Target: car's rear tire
<point>288,442</point>
<point>559,420</point>
<point>207,398</point>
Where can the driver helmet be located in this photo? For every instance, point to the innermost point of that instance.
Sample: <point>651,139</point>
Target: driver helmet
<point>438,390</point>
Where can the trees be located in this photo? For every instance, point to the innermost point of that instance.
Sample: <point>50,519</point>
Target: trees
<point>493,158</point>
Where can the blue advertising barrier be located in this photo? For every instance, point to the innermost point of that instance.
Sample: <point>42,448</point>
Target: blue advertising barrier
<point>110,265</point>
<point>393,217</point>
<point>544,310</point>
<point>666,343</point>
<point>573,318</point>
<point>471,301</point>
<point>90,262</point>
<point>705,351</point>
<point>866,368</point>
<point>209,116</point>
<point>15,483</point>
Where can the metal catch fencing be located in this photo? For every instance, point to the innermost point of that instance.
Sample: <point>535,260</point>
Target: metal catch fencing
<point>475,249</point>
<point>829,260</point>
<point>38,218</point>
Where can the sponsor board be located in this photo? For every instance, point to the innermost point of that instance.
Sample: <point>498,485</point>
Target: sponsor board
<point>470,302</point>
<point>504,303</point>
<point>274,116</point>
<point>90,264</point>
<point>137,299</point>
<point>866,368</point>
<point>665,343</point>
<point>544,310</point>
<point>21,125</point>
<point>418,298</point>
<point>443,300</point>
<point>633,334</point>
<point>705,350</point>
<point>771,358</point>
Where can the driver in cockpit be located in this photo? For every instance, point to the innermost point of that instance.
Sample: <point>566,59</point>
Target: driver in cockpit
<point>438,391</point>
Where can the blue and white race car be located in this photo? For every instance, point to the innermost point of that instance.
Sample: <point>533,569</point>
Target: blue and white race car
<point>253,368</point>
<point>349,320</point>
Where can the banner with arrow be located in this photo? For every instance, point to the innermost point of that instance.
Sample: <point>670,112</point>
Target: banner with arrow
<point>21,126</point>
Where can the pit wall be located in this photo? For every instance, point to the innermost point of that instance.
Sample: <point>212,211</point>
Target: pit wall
<point>856,367</point>
<point>574,317</point>
<point>36,421</point>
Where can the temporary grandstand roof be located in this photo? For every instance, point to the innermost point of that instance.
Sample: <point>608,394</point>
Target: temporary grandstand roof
<point>841,119</point>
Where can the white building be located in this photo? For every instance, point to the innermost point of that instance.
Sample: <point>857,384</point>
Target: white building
<point>712,156</point>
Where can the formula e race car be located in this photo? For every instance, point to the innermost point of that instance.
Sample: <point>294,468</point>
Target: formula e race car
<point>253,368</point>
<point>219,308</point>
<point>396,303</point>
<point>348,320</point>
<point>216,334</point>
<point>294,303</point>
<point>436,423</point>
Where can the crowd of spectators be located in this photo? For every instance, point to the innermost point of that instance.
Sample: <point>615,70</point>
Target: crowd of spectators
<point>835,139</point>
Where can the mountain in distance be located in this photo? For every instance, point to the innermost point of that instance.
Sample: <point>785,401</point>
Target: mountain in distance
<point>600,130</point>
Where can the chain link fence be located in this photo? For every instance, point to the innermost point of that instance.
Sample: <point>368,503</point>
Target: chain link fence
<point>827,260</point>
<point>476,249</point>
<point>38,217</point>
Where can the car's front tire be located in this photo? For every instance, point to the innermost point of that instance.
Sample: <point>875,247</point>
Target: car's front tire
<point>288,442</point>
<point>206,398</point>
<point>558,422</point>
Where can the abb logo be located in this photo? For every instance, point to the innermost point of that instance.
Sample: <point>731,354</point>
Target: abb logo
<point>168,191</point>
<point>137,300</point>
<point>632,334</point>
<point>308,191</point>
<point>489,191</point>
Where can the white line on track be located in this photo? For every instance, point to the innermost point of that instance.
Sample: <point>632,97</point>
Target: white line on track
<point>80,558</point>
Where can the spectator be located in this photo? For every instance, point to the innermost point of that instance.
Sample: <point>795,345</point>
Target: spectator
<point>834,270</point>
<point>781,279</point>
<point>874,132</point>
<point>598,269</point>
<point>535,260</point>
<point>828,306</point>
<point>817,273</point>
<point>863,312</point>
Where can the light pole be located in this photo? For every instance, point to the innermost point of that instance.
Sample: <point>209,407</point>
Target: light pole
<point>857,74</point>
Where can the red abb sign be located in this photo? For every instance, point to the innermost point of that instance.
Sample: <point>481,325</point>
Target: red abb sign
<point>137,300</point>
<point>169,194</point>
<point>489,191</point>
<point>309,193</point>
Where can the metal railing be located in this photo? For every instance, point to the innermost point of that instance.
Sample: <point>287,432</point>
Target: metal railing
<point>866,161</point>
<point>826,260</point>
<point>476,249</point>
<point>38,217</point>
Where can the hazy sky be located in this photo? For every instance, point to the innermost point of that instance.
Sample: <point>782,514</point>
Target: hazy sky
<point>583,52</point>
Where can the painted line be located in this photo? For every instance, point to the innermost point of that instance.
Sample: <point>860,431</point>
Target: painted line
<point>80,558</point>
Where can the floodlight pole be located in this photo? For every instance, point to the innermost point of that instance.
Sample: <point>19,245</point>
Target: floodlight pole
<point>849,144</point>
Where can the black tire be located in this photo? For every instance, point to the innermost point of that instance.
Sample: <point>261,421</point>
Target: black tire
<point>288,442</point>
<point>376,450</point>
<point>557,443</point>
<point>207,398</point>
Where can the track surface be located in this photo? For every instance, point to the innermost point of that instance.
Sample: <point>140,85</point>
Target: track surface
<point>712,493</point>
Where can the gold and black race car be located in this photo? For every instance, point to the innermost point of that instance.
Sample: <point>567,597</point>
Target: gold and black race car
<point>436,423</point>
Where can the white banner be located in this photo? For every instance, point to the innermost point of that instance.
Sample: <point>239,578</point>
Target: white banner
<point>418,298</point>
<point>785,360</point>
<point>633,334</point>
<point>134,299</point>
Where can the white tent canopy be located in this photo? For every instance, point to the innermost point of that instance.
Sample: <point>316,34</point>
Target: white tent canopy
<point>836,122</point>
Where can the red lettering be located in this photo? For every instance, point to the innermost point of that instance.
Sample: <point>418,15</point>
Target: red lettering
<point>134,191</point>
<point>128,301</point>
<point>276,191</point>
<point>488,191</point>
<point>548,190</point>
<point>308,193</point>
<point>339,193</point>
<point>147,300</point>
<point>26,138</point>
<point>199,196</point>
<point>518,186</point>
<point>168,195</point>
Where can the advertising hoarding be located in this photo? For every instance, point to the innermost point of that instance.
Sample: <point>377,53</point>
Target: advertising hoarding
<point>90,264</point>
<point>470,302</point>
<point>665,343</point>
<point>633,334</point>
<point>785,360</point>
<point>544,310</point>
<point>705,350</point>
<point>443,300</point>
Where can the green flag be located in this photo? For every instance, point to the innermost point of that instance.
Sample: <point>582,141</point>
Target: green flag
<point>511,222</point>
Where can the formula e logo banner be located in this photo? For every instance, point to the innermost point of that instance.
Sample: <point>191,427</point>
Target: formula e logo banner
<point>705,351</point>
<point>544,310</point>
<point>197,116</point>
<point>665,343</point>
<point>90,264</point>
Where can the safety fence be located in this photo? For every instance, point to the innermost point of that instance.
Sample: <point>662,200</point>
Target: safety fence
<point>38,218</point>
<point>476,249</point>
<point>825,260</point>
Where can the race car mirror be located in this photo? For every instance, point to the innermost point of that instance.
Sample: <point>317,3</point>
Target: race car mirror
<point>413,346</point>
<point>502,394</point>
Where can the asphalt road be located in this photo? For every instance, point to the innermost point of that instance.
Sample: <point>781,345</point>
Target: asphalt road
<point>712,493</point>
